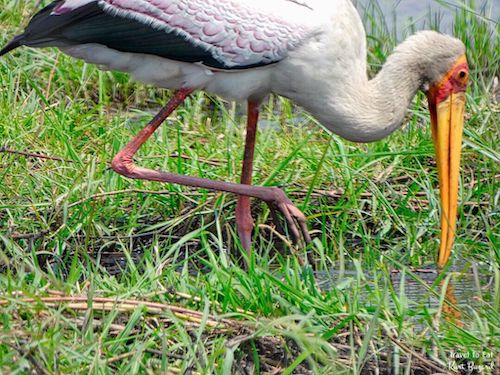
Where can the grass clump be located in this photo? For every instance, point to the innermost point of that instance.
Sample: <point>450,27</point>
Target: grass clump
<point>104,274</point>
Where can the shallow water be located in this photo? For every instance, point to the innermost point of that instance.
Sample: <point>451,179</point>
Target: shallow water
<point>421,287</point>
<point>416,14</point>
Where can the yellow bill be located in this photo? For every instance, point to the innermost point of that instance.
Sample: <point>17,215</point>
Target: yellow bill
<point>447,133</point>
<point>447,107</point>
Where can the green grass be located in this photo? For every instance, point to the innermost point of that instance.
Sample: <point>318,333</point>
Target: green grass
<point>71,227</point>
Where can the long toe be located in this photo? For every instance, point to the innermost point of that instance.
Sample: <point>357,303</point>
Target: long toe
<point>296,222</point>
<point>301,220</point>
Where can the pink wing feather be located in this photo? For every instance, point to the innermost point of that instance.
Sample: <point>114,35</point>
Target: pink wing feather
<point>235,32</point>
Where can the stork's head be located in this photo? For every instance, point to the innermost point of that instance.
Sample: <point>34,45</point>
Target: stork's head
<point>446,74</point>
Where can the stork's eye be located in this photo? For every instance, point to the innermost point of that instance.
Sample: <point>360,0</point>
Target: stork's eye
<point>462,75</point>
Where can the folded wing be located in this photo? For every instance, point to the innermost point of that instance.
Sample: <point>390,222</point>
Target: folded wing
<point>222,34</point>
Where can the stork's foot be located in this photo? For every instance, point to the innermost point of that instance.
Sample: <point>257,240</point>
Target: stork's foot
<point>294,218</point>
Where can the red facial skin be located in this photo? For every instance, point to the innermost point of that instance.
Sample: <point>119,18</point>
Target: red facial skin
<point>454,82</point>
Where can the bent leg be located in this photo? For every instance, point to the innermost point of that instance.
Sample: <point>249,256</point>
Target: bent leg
<point>123,164</point>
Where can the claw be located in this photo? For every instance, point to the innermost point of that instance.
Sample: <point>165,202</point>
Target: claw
<point>291,224</point>
<point>276,220</point>
<point>295,219</point>
<point>301,220</point>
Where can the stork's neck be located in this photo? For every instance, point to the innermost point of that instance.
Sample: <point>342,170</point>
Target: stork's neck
<point>365,110</point>
<point>389,95</point>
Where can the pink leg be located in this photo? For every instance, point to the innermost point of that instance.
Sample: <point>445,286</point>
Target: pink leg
<point>244,220</point>
<point>123,164</point>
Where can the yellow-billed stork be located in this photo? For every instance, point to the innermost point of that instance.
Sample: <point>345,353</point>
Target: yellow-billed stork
<point>311,51</point>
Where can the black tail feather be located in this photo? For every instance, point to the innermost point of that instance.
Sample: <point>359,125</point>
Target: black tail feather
<point>13,44</point>
<point>24,38</point>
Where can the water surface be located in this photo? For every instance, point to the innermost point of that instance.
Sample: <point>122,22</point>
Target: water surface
<point>411,15</point>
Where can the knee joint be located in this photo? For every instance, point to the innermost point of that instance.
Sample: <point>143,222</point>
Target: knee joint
<point>123,165</point>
